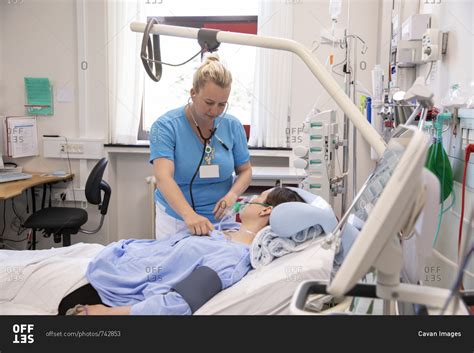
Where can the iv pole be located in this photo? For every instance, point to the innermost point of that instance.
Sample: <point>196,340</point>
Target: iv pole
<point>318,70</point>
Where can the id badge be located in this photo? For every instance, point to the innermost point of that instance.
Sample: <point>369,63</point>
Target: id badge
<point>209,171</point>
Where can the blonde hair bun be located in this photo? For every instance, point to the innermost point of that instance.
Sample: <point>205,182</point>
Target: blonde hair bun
<point>212,58</point>
<point>212,70</point>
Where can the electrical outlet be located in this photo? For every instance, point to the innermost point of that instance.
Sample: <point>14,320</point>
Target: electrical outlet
<point>431,45</point>
<point>60,196</point>
<point>71,148</point>
<point>69,195</point>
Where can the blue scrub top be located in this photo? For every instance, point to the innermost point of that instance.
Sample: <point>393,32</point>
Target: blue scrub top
<point>142,273</point>
<point>172,137</point>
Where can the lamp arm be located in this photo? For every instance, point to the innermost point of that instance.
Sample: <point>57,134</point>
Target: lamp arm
<point>318,70</point>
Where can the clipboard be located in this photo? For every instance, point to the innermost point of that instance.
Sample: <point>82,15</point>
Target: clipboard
<point>20,136</point>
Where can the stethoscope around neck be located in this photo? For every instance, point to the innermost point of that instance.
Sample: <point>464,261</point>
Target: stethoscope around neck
<point>213,131</point>
<point>205,147</point>
<point>206,139</point>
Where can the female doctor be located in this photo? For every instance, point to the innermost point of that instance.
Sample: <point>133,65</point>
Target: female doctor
<point>194,150</point>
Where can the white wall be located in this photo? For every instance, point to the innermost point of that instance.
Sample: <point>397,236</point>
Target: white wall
<point>311,17</point>
<point>457,66</point>
<point>384,26</point>
<point>46,45</point>
<point>40,39</point>
<point>455,16</point>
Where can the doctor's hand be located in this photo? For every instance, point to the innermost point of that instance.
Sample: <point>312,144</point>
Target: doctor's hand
<point>198,225</point>
<point>223,204</point>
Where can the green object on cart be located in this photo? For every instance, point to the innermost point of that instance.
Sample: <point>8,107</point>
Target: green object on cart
<point>438,160</point>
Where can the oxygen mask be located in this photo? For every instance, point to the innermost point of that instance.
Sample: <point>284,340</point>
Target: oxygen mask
<point>238,207</point>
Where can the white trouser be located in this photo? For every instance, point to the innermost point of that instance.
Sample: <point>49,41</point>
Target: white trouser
<point>165,225</point>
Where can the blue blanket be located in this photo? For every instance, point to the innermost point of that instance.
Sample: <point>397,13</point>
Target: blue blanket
<point>267,245</point>
<point>141,273</point>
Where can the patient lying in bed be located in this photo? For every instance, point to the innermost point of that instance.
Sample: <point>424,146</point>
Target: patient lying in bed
<point>173,276</point>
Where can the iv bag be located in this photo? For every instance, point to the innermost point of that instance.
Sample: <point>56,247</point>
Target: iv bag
<point>335,9</point>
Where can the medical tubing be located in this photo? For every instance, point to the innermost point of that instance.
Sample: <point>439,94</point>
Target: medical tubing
<point>469,149</point>
<point>226,217</point>
<point>458,282</point>
<point>202,51</point>
<point>451,263</point>
<point>442,211</point>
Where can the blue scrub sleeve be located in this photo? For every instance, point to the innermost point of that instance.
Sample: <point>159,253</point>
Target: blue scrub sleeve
<point>170,303</point>
<point>240,149</point>
<point>162,141</point>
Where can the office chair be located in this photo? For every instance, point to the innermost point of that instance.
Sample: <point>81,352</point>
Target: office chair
<point>61,222</point>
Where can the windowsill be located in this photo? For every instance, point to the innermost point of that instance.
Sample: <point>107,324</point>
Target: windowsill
<point>143,146</point>
<point>146,143</point>
<point>140,143</point>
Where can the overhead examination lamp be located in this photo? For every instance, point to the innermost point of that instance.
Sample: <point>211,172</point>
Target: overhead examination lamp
<point>318,70</point>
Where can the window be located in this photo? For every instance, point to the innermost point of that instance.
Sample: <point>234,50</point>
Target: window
<point>173,89</point>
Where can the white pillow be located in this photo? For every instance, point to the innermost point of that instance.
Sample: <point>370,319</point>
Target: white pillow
<point>289,218</point>
<point>268,290</point>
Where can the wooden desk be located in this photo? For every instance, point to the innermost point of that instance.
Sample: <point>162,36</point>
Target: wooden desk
<point>15,188</point>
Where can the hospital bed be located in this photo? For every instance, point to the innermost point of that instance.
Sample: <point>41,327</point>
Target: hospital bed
<point>34,283</point>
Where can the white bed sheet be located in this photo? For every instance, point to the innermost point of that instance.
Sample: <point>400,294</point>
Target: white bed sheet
<point>34,282</point>
<point>268,290</point>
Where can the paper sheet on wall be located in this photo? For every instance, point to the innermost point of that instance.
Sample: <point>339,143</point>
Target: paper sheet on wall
<point>39,96</point>
<point>22,136</point>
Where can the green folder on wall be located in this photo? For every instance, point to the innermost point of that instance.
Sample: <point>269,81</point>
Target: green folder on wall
<point>39,96</point>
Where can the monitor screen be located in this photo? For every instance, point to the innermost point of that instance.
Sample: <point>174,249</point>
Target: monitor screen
<point>368,225</point>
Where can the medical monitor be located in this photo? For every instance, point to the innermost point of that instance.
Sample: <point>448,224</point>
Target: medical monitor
<point>382,208</point>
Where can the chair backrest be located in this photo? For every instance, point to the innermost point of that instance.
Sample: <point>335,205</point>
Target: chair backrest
<point>94,187</point>
<point>94,182</point>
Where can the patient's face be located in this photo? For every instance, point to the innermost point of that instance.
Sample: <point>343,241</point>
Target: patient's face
<point>272,197</point>
<point>254,209</point>
<point>262,198</point>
